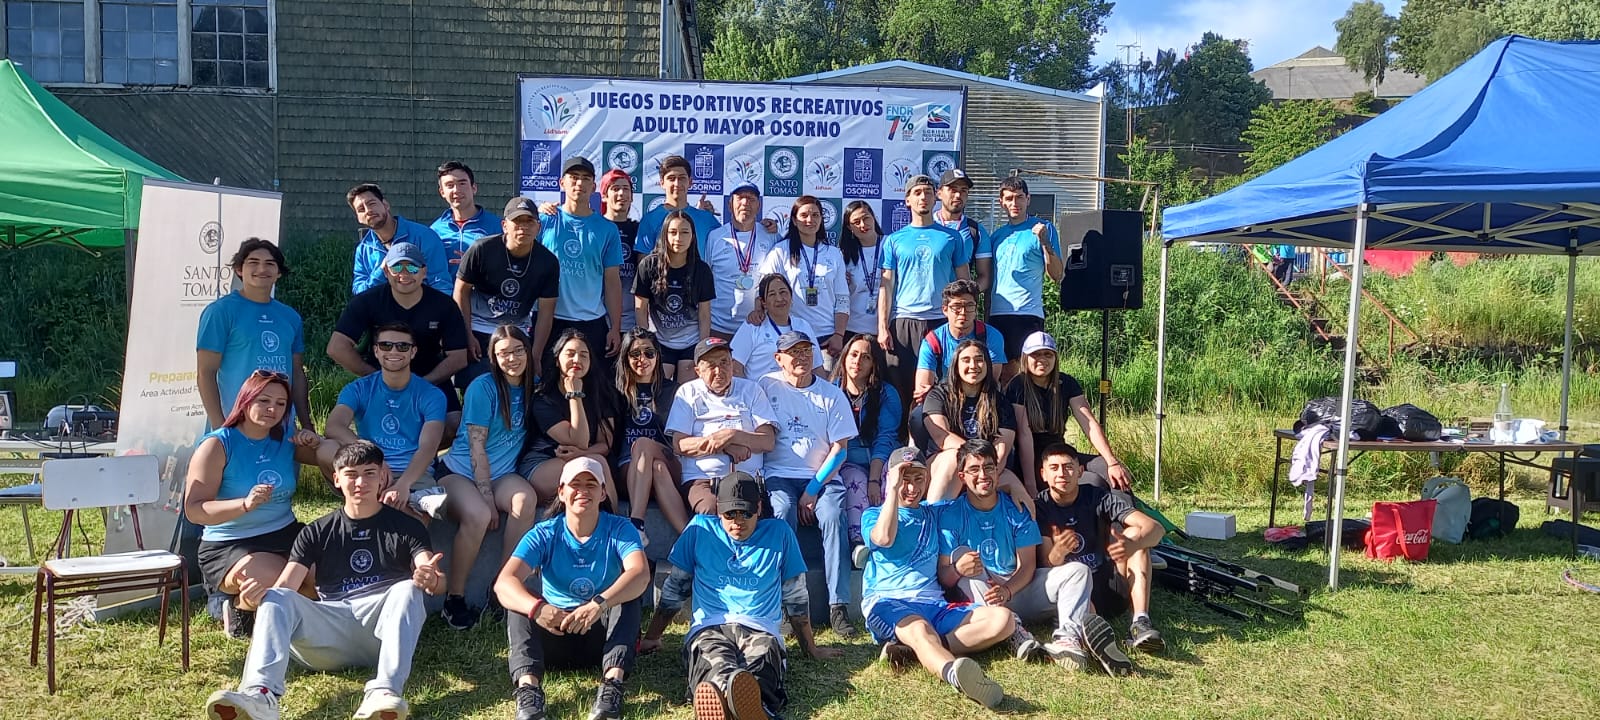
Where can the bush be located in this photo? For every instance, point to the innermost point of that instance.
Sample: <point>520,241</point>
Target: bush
<point>65,314</point>
<point>1363,102</point>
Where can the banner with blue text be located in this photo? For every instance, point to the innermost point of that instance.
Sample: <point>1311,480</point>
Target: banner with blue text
<point>840,143</point>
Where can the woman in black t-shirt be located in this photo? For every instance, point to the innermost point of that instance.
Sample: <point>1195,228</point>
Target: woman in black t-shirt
<point>1044,399</point>
<point>574,414</point>
<point>643,460</point>
<point>673,292</point>
<point>967,405</point>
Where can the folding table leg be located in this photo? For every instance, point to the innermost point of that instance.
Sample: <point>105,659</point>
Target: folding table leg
<point>27,532</point>
<point>183,590</point>
<point>1277,472</point>
<point>1502,475</point>
<point>38,600</point>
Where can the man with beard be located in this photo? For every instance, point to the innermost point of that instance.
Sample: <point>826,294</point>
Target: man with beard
<point>385,230</point>
<point>954,185</point>
<point>507,279</point>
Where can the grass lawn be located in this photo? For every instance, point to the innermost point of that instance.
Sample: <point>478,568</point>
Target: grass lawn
<point>1480,630</point>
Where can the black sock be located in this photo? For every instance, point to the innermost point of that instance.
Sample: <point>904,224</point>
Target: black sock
<point>948,672</point>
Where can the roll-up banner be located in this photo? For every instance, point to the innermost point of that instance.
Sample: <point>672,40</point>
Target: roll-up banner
<point>839,143</point>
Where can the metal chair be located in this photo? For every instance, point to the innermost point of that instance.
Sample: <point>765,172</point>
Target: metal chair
<point>73,485</point>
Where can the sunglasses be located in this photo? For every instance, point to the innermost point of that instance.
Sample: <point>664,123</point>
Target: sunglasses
<point>736,515</point>
<point>406,268</point>
<point>646,353</point>
<point>270,375</point>
<point>392,346</point>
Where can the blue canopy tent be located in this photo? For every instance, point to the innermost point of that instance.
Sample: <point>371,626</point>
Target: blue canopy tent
<point>1500,156</point>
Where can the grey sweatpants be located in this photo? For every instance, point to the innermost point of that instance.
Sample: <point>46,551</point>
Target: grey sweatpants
<point>379,629</point>
<point>1063,590</point>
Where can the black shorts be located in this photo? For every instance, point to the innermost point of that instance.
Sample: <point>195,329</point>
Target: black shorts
<point>1015,329</point>
<point>217,557</point>
<point>1111,592</point>
<point>673,356</point>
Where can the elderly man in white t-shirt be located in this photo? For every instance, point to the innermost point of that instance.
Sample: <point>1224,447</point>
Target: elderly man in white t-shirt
<point>718,423</point>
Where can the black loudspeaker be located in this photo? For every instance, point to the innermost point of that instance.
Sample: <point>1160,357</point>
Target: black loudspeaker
<point>1104,260</point>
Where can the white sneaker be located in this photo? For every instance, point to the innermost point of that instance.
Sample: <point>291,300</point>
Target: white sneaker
<point>1067,655</point>
<point>975,684</point>
<point>252,704</point>
<point>859,556</point>
<point>382,705</point>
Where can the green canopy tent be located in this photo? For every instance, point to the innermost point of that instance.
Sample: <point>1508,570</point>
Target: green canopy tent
<point>63,180</point>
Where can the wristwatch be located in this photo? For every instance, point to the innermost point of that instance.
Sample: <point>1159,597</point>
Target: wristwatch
<point>575,395</point>
<point>600,600</point>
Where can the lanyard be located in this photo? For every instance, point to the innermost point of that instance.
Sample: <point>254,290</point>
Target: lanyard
<point>811,266</point>
<point>775,330</point>
<point>869,271</point>
<point>746,254</point>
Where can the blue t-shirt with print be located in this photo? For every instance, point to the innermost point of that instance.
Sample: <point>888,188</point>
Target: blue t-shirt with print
<point>924,260</point>
<point>996,534</point>
<point>571,572</point>
<point>585,246</point>
<point>393,419</point>
<point>1019,268</point>
<point>250,336</point>
<point>457,237</point>
<point>481,407</point>
<point>907,569</point>
<point>250,463</point>
<point>650,228</point>
<point>977,243</point>
<point>737,582</point>
<point>928,359</point>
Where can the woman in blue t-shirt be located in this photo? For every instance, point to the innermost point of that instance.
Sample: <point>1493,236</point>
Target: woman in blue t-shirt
<point>479,474</point>
<point>877,410</point>
<point>592,570</point>
<point>647,467</point>
<point>240,485</point>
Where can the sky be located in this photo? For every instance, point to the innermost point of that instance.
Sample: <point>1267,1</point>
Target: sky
<point>1277,29</point>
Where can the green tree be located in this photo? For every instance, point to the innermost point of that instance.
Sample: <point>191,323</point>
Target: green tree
<point>1177,182</point>
<point>1417,28</point>
<point>1280,132</point>
<point>1043,42</point>
<point>1213,93</point>
<point>775,39</point>
<point>1563,20</point>
<point>1460,35</point>
<point>1365,33</point>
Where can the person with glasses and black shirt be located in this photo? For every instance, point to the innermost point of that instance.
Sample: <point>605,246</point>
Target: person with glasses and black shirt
<point>648,467</point>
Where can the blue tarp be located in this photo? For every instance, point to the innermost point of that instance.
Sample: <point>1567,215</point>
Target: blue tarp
<point>1501,155</point>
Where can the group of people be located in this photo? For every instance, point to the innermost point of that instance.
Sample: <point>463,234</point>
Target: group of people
<point>760,382</point>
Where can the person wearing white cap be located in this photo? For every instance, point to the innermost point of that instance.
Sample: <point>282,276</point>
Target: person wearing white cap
<point>734,251</point>
<point>1026,249</point>
<point>592,571</point>
<point>1043,399</point>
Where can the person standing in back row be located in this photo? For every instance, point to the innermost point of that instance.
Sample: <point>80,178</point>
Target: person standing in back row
<point>616,202</point>
<point>384,230</point>
<point>590,253</point>
<point>675,179</point>
<point>734,252</point>
<point>1026,249</point>
<point>507,279</point>
<point>247,330</point>
<point>465,221</point>
<point>954,185</point>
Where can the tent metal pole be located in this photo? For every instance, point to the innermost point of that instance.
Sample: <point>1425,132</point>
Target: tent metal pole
<point>1566,344</point>
<point>1341,466</point>
<point>1161,366</point>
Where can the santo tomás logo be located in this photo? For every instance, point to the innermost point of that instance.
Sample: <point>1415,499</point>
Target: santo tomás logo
<point>553,110</point>
<point>822,175</point>
<point>936,162</point>
<point>270,341</point>
<point>627,157</point>
<point>939,125</point>
<point>211,237</point>
<point>785,170</point>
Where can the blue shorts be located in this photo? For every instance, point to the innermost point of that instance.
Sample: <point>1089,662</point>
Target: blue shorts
<point>886,614</point>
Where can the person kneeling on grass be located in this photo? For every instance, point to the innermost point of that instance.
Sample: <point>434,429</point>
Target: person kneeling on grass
<point>372,565</point>
<point>1095,552</point>
<point>905,607</point>
<point>746,574</point>
<point>592,570</point>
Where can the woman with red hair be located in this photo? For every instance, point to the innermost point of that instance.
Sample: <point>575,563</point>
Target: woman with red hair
<point>240,485</point>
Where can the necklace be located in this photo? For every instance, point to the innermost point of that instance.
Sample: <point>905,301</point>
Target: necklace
<point>511,267</point>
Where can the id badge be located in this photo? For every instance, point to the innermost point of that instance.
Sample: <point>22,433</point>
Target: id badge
<point>811,297</point>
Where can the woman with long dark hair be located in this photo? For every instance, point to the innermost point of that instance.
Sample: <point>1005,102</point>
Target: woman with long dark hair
<point>479,474</point>
<point>858,245</point>
<point>1044,399</point>
<point>643,460</point>
<point>575,412</point>
<point>672,294</point>
<point>877,409</point>
<point>816,274</point>
<point>240,486</point>
<point>968,405</point>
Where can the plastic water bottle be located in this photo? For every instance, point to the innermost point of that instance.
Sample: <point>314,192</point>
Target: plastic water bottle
<point>1502,415</point>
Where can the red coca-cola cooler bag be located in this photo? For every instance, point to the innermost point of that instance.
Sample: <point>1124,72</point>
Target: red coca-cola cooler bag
<point>1401,530</point>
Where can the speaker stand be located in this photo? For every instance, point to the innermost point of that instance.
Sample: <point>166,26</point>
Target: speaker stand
<point>1105,362</point>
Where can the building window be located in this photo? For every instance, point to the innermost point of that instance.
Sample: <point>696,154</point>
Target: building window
<point>139,42</point>
<point>46,39</point>
<point>228,43</point>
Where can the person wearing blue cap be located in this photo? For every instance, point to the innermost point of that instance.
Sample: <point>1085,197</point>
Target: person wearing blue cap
<point>734,252</point>
<point>384,230</point>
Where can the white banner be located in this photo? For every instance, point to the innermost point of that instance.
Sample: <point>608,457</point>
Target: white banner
<point>839,143</point>
<point>187,234</point>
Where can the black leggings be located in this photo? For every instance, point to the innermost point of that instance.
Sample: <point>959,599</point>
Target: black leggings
<point>610,643</point>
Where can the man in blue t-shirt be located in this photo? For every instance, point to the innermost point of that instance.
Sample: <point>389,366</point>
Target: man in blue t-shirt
<point>385,230</point>
<point>746,574</point>
<point>590,252</point>
<point>247,330</point>
<point>675,180</point>
<point>465,221</point>
<point>400,412</point>
<point>905,608</point>
<point>917,261</point>
<point>937,354</point>
<point>954,187</point>
<point>1026,249</point>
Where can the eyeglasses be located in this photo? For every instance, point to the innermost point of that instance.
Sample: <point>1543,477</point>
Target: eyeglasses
<point>390,346</point>
<point>408,268</point>
<point>270,375</point>
<point>986,468</point>
<point>736,515</point>
<point>962,307</point>
<point>646,353</point>
<point>515,352</point>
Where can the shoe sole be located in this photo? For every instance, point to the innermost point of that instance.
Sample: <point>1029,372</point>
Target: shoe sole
<point>1101,643</point>
<point>218,702</point>
<point>744,697</point>
<point>708,703</point>
<point>973,683</point>
<point>399,711</point>
<point>1149,643</point>
<point>897,655</point>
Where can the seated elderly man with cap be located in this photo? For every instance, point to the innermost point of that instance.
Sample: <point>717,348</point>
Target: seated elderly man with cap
<point>746,575</point>
<point>718,423</point>
<point>905,606</point>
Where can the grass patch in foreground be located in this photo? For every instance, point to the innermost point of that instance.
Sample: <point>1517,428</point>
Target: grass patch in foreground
<point>1481,630</point>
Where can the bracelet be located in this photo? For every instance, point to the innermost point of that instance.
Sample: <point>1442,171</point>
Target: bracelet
<point>533,614</point>
<point>575,395</point>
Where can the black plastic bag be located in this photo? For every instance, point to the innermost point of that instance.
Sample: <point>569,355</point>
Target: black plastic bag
<point>1364,416</point>
<point>1409,422</point>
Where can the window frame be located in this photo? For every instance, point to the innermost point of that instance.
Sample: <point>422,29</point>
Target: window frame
<point>92,60</point>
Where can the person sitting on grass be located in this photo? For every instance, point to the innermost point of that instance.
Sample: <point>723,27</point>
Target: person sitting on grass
<point>968,406</point>
<point>650,469</point>
<point>1094,563</point>
<point>240,487</point>
<point>592,570</point>
<point>575,412</point>
<point>479,474</point>
<point>371,564</point>
<point>746,574</point>
<point>905,607</point>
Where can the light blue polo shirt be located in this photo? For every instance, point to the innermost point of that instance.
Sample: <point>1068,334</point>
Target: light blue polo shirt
<point>924,260</point>
<point>572,572</point>
<point>457,238</point>
<point>250,336</point>
<point>1019,268</point>
<point>585,247</point>
<point>650,228</point>
<point>369,254</point>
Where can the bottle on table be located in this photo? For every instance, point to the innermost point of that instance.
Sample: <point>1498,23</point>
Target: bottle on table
<point>1502,414</point>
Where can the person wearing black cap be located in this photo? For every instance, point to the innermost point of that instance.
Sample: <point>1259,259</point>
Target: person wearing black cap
<point>746,575</point>
<point>954,185</point>
<point>718,423</point>
<point>507,279</point>
<point>590,252</point>
<point>918,261</point>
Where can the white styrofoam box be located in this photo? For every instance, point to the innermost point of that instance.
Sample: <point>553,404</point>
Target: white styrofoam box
<point>1210,525</point>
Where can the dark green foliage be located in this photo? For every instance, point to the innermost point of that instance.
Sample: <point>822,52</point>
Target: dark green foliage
<point>1214,93</point>
<point>1365,33</point>
<point>65,317</point>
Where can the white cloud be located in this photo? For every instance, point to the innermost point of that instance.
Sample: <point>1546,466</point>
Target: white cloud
<point>1277,29</point>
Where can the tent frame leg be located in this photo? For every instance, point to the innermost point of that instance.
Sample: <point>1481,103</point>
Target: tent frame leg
<point>1341,467</point>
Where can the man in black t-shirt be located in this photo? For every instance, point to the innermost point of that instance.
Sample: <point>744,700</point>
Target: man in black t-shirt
<point>434,319</point>
<point>372,565</point>
<point>507,279</point>
<point>1094,563</point>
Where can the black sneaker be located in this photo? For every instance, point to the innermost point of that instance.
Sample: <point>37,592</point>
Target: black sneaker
<point>458,614</point>
<point>239,624</point>
<point>530,702</point>
<point>898,654</point>
<point>839,619</point>
<point>644,538</point>
<point>1101,642</point>
<point>608,702</point>
<point>1142,636</point>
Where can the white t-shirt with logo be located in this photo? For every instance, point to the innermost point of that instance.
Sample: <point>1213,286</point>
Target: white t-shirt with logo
<point>753,345</point>
<point>698,412</point>
<point>809,420</point>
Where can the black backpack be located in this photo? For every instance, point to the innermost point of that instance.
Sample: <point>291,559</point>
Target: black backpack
<point>1492,518</point>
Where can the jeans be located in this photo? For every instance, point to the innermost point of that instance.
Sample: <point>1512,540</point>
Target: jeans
<point>785,494</point>
<point>379,629</point>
